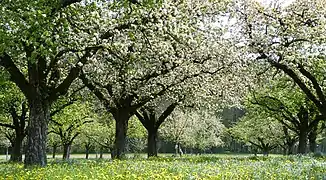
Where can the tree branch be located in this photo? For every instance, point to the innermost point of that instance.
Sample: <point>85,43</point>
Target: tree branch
<point>165,114</point>
<point>16,75</point>
<point>141,119</point>
<point>7,125</point>
<point>72,139</point>
<point>314,82</point>
<point>94,89</point>
<point>55,122</point>
<point>257,145</point>
<point>73,74</point>
<point>55,60</point>
<point>282,108</point>
<point>298,81</point>
<point>62,107</point>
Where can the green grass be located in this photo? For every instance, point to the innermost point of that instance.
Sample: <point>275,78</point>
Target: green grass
<point>187,167</point>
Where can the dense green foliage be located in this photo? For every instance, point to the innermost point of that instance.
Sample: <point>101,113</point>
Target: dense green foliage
<point>188,167</point>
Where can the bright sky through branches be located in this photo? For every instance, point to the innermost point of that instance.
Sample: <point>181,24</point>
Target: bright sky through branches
<point>284,3</point>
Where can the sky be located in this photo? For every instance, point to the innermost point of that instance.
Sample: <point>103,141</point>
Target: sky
<point>283,2</point>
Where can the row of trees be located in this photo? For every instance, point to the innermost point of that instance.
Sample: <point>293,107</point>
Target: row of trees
<point>77,124</point>
<point>288,105</point>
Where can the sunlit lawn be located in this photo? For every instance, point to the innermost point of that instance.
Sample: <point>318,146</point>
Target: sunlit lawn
<point>186,167</point>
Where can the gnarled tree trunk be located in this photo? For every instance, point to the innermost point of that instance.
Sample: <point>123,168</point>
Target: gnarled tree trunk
<point>66,151</point>
<point>37,132</point>
<point>152,122</point>
<point>303,130</point>
<point>87,149</point>
<point>121,119</point>
<point>152,142</point>
<point>16,151</point>
<point>302,147</point>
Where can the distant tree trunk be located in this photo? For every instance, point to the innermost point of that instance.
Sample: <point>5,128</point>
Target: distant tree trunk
<point>288,145</point>
<point>266,151</point>
<point>255,151</point>
<point>303,130</point>
<point>152,121</point>
<point>87,154</point>
<point>152,142</point>
<point>290,148</point>
<point>54,149</point>
<point>121,119</point>
<point>111,153</point>
<point>180,151</point>
<point>303,138</point>
<point>66,151</point>
<point>87,148</point>
<point>284,150</point>
<point>37,132</point>
<point>264,147</point>
<point>312,139</point>
<point>176,147</point>
<point>312,145</point>
<point>101,153</point>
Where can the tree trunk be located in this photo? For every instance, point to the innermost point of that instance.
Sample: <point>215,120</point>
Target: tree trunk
<point>101,153</point>
<point>54,149</point>
<point>152,143</point>
<point>111,153</point>
<point>16,151</point>
<point>87,154</point>
<point>312,146</point>
<point>121,127</point>
<point>180,150</point>
<point>176,147</point>
<point>266,151</point>
<point>312,140</point>
<point>87,151</point>
<point>290,148</point>
<point>303,130</point>
<point>66,151</point>
<point>37,132</point>
<point>284,150</point>
<point>302,147</point>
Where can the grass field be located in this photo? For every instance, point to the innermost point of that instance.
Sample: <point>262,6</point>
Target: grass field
<point>187,167</point>
<point>107,155</point>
